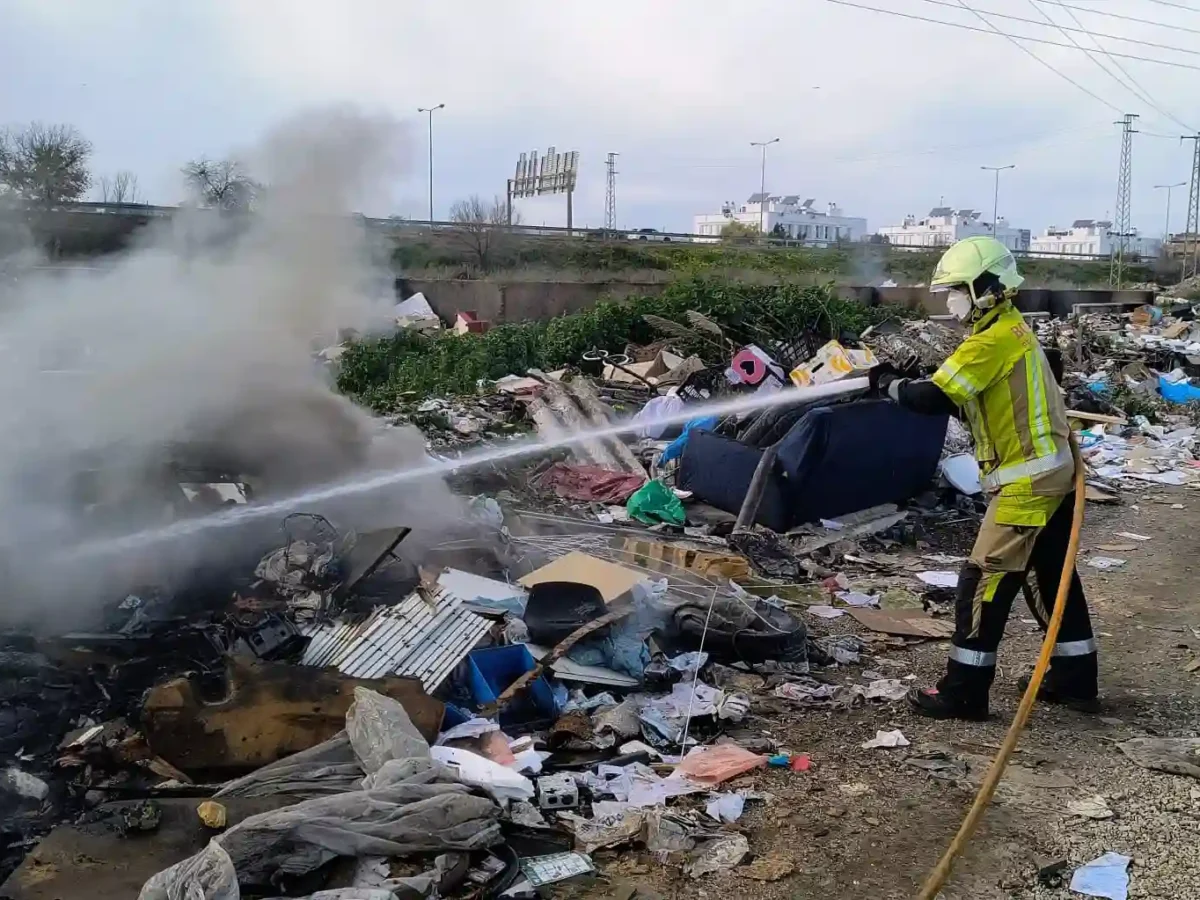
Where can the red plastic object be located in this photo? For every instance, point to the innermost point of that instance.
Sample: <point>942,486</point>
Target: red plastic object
<point>801,762</point>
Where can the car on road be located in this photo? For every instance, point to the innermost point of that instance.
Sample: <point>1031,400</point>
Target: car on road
<point>648,234</point>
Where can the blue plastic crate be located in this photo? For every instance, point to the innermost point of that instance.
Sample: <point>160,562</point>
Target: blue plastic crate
<point>493,669</point>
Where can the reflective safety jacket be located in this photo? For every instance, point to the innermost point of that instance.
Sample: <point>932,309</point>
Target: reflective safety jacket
<point>1001,379</point>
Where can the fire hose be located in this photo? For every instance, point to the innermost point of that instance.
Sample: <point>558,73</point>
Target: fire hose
<point>941,872</point>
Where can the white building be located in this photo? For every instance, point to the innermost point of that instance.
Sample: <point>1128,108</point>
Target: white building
<point>785,217</point>
<point>1089,237</point>
<point>944,225</point>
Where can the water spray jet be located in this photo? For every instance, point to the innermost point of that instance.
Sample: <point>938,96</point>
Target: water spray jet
<point>187,528</point>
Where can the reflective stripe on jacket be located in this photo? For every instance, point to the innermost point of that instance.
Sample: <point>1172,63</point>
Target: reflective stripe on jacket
<point>1001,379</point>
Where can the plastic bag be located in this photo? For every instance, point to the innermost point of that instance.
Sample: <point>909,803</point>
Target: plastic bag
<point>209,875</point>
<point>654,502</point>
<point>396,820</point>
<point>471,768</point>
<point>328,768</point>
<point>379,729</point>
<point>718,763</point>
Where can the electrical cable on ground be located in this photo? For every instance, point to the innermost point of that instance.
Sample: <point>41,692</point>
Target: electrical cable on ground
<point>941,872</point>
<point>687,723</point>
<point>994,30</point>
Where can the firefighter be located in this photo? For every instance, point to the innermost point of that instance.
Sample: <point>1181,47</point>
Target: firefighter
<point>1000,383</point>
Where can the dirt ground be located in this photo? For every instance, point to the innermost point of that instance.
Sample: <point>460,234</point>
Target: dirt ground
<point>864,824</point>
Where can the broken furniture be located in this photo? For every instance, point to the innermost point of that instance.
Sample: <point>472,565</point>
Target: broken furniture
<point>836,459</point>
<point>268,711</point>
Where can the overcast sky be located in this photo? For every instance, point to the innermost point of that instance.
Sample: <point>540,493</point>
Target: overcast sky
<point>884,115</point>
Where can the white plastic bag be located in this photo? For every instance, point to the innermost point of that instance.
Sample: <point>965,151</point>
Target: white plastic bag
<point>209,875</point>
<point>380,730</point>
<point>471,768</point>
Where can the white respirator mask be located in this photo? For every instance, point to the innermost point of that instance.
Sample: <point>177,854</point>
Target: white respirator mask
<point>959,304</point>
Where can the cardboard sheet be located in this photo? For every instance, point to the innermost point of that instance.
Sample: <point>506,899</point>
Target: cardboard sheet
<point>903,622</point>
<point>610,579</point>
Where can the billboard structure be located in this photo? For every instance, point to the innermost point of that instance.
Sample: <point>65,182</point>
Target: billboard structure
<point>551,173</point>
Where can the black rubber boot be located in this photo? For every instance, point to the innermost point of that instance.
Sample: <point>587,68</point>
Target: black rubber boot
<point>931,704</point>
<point>1048,694</point>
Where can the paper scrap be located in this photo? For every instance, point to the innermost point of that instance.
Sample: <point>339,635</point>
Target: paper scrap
<point>886,689</point>
<point>1105,563</point>
<point>554,867</point>
<point>939,579</point>
<point>886,740</point>
<point>857,598</point>
<point>726,807</point>
<point>826,612</point>
<point>1130,536</point>
<point>1106,876</point>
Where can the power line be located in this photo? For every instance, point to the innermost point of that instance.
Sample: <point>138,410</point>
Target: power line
<point>610,193</point>
<point>1111,15</point>
<point>994,30</point>
<point>1026,50</point>
<point>1103,68</point>
<point>1191,251</point>
<point>1175,5</point>
<point>1064,29</point>
<point>1134,86</point>
<point>1124,184</point>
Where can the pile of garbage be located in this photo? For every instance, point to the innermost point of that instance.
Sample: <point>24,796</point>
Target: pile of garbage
<point>1130,387</point>
<point>596,664</point>
<point>338,724</point>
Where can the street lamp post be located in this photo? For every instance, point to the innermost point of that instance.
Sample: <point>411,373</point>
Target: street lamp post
<point>762,184</point>
<point>1167,225</point>
<point>996,195</point>
<point>431,110</point>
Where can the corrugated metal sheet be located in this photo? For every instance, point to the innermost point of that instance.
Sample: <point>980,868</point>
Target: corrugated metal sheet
<point>412,638</point>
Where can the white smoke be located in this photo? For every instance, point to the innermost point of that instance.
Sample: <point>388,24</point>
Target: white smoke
<point>198,343</point>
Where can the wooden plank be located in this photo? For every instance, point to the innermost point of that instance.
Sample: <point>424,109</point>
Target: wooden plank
<point>1096,417</point>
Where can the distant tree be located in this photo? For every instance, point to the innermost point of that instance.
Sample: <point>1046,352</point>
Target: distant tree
<point>221,184</point>
<point>480,228</point>
<point>738,232</point>
<point>44,164</point>
<point>120,188</point>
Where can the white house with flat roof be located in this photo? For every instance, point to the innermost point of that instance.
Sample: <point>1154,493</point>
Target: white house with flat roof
<point>945,225</point>
<point>785,217</point>
<point>1090,237</point>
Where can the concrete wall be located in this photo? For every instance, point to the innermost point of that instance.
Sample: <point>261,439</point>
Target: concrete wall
<point>533,300</point>
<point>1056,302</point>
<point>521,301</point>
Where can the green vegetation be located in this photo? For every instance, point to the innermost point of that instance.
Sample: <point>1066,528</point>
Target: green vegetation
<point>847,264</point>
<point>380,372</point>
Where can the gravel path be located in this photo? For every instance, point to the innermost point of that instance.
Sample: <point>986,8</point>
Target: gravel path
<point>865,824</point>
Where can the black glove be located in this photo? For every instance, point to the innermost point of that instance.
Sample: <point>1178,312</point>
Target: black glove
<point>881,376</point>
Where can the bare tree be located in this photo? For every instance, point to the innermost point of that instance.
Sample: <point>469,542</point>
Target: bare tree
<point>481,228</point>
<point>45,164</point>
<point>221,184</point>
<point>121,188</point>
